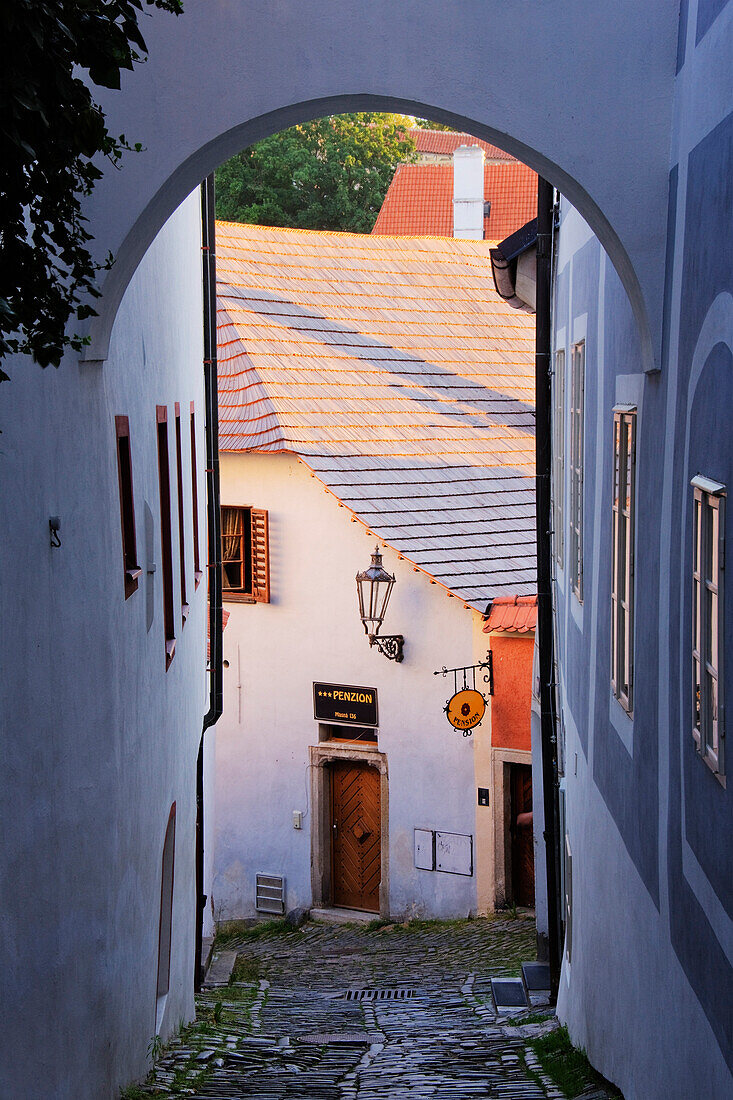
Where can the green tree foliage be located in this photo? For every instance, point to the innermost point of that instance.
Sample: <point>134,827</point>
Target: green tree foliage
<point>329,174</point>
<point>427,124</point>
<point>52,133</point>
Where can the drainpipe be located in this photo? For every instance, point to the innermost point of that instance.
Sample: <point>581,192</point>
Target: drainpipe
<point>208,233</point>
<point>550,779</point>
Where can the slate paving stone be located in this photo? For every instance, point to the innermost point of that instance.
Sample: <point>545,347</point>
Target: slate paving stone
<point>294,1035</point>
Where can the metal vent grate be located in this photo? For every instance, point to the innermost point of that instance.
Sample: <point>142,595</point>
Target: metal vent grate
<point>270,894</point>
<point>379,994</point>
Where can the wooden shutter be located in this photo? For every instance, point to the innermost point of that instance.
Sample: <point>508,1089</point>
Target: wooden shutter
<point>260,556</point>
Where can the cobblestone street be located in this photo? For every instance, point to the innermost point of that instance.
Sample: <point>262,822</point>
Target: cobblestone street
<point>359,1012</point>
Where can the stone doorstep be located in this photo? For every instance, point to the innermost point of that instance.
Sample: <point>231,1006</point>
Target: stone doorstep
<point>343,916</point>
<point>220,969</point>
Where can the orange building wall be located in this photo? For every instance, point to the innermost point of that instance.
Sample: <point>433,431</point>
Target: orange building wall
<point>512,699</point>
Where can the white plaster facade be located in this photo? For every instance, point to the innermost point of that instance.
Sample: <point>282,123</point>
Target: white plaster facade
<point>311,632</point>
<point>99,740</point>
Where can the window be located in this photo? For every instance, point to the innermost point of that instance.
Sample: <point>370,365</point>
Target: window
<point>622,580</point>
<point>708,561</point>
<point>165,926</point>
<point>245,554</point>
<point>558,455</point>
<point>181,526</point>
<point>329,732</point>
<point>568,900</point>
<point>132,571</point>
<point>195,500</point>
<point>577,400</point>
<point>165,534</point>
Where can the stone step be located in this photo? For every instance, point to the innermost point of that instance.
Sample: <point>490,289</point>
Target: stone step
<point>220,969</point>
<point>343,916</point>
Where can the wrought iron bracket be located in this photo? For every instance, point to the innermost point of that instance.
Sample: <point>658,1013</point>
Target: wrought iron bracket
<point>390,645</point>
<point>486,667</point>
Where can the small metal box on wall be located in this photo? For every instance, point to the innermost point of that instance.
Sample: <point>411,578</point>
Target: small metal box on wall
<point>425,849</point>
<point>270,894</point>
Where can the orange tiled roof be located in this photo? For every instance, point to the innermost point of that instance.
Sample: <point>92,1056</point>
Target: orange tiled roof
<point>397,374</point>
<point>445,142</point>
<point>512,613</point>
<point>419,201</point>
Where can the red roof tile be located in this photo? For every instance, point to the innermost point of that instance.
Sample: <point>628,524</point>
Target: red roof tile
<point>512,613</point>
<point>444,143</point>
<point>419,202</point>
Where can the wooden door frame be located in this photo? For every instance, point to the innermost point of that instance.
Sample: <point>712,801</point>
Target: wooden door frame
<point>321,756</point>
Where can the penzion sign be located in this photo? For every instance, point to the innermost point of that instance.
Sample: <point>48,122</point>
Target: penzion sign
<point>345,705</point>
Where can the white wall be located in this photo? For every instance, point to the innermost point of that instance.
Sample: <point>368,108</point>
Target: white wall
<point>99,739</point>
<point>310,631</point>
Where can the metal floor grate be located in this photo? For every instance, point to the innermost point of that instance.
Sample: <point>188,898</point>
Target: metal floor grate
<point>379,994</point>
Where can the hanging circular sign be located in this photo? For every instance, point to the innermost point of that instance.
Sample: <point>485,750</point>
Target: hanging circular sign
<point>466,709</point>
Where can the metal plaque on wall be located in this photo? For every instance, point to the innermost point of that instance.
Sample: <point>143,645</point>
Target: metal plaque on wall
<point>345,704</point>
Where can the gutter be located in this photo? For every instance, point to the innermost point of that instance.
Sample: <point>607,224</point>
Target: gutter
<point>545,633</point>
<point>513,265</point>
<point>208,241</point>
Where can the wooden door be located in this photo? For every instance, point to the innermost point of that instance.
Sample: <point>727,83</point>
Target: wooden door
<point>356,835</point>
<point>522,835</point>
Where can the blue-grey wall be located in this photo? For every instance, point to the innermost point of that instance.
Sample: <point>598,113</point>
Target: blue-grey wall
<point>648,988</point>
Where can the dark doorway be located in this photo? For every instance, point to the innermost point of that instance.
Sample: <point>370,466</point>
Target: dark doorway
<point>522,835</point>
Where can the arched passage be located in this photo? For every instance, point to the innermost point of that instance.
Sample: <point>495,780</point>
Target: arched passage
<point>536,83</point>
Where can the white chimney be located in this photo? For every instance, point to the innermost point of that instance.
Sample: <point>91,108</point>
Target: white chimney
<point>468,192</point>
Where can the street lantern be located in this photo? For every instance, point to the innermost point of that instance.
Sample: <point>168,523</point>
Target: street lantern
<point>374,587</point>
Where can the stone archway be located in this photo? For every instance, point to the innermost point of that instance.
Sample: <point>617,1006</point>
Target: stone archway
<point>537,81</point>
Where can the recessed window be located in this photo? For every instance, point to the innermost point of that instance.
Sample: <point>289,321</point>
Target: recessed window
<point>558,455</point>
<point>245,554</point>
<point>708,559</point>
<point>181,524</point>
<point>577,411</point>
<point>132,570</point>
<point>195,500</point>
<point>166,557</point>
<point>165,926</point>
<point>622,580</point>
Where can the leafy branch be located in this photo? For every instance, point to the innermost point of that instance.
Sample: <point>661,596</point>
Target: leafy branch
<point>52,133</point>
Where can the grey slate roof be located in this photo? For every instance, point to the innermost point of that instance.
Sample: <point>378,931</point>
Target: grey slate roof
<point>395,372</point>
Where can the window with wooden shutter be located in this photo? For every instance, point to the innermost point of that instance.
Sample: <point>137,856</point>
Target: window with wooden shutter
<point>260,556</point>
<point>245,555</point>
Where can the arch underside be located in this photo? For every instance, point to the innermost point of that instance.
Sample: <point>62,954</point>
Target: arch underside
<point>226,74</point>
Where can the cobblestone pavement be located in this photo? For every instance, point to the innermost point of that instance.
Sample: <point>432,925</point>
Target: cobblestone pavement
<point>358,1013</point>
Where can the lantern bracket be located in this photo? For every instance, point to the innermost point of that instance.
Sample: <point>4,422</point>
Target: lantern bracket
<point>390,645</point>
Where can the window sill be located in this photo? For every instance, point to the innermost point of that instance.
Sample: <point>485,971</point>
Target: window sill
<point>184,612</point>
<point>711,763</point>
<point>131,578</point>
<point>170,649</point>
<point>236,597</point>
<point>197,578</point>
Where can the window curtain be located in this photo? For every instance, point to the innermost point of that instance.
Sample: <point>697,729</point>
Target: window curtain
<point>231,534</point>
